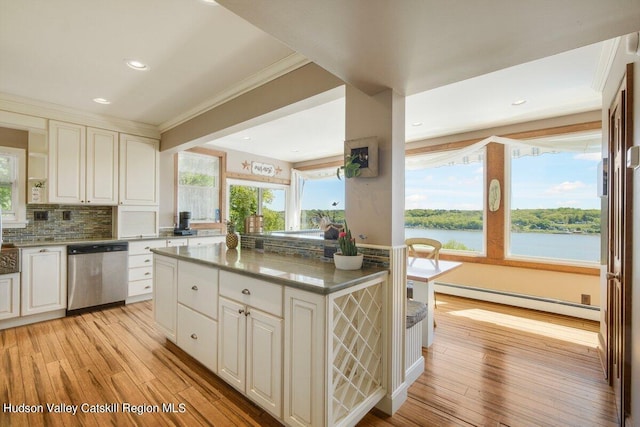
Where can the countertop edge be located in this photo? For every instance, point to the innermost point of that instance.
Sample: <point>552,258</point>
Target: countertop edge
<point>279,280</point>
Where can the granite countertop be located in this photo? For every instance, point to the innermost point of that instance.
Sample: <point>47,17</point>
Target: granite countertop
<point>62,242</point>
<point>303,273</point>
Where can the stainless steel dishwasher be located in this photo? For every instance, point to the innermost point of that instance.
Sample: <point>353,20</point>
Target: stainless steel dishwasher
<point>97,275</point>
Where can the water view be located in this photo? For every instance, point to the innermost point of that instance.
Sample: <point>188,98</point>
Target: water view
<point>579,247</point>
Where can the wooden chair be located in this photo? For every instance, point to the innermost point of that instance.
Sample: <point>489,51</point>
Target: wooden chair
<point>432,252</point>
<point>433,248</point>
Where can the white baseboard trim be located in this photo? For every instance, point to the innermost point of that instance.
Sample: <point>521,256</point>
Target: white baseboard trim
<point>389,404</point>
<point>414,371</point>
<point>34,318</point>
<point>138,298</point>
<point>549,305</point>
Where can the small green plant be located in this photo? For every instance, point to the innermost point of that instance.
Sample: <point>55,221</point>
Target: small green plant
<point>39,184</point>
<point>346,242</point>
<point>351,167</point>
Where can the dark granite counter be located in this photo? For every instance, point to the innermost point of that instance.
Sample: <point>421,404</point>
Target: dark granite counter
<point>303,273</point>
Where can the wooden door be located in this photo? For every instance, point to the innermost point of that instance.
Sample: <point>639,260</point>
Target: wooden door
<point>619,247</point>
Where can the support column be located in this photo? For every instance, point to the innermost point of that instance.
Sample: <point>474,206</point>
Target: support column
<point>375,208</point>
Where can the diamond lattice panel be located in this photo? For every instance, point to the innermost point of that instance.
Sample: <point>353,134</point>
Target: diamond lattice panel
<point>357,349</point>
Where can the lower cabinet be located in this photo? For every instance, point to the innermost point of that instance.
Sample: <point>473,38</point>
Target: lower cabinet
<point>197,312</point>
<point>44,279</point>
<point>250,353</point>
<point>9,296</point>
<point>165,297</point>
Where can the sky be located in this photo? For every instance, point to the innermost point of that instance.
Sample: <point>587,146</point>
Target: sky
<point>545,181</point>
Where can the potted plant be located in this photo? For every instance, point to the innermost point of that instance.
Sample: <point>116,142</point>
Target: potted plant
<point>348,257</point>
<point>351,167</point>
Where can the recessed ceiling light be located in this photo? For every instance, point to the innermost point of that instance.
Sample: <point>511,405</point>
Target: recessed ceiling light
<point>211,2</point>
<point>416,124</point>
<point>136,65</point>
<point>519,102</point>
<point>101,101</point>
<point>246,138</point>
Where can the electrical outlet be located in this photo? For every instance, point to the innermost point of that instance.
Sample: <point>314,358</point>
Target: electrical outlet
<point>66,215</point>
<point>586,299</point>
<point>41,215</point>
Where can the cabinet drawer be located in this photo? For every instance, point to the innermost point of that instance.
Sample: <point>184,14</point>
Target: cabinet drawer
<point>144,246</point>
<point>198,288</point>
<point>145,260</point>
<point>198,241</point>
<point>140,287</point>
<point>257,293</point>
<point>177,242</point>
<point>140,273</point>
<point>198,336</point>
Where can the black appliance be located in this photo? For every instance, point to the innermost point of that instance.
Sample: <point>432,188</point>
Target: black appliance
<point>184,225</point>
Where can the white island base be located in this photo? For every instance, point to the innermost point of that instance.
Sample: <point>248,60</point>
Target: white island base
<point>309,358</point>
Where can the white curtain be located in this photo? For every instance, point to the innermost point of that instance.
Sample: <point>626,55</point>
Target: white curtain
<point>295,200</point>
<point>587,142</point>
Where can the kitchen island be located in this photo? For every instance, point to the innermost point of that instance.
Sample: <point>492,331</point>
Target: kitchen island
<point>298,337</point>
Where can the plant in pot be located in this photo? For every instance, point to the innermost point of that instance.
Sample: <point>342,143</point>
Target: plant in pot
<point>351,167</point>
<point>348,258</point>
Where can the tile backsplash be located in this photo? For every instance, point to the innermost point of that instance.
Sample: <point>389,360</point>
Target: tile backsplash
<point>85,222</point>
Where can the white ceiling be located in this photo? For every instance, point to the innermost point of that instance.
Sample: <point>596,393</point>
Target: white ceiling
<point>68,52</point>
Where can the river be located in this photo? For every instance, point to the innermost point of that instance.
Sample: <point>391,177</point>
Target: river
<point>579,247</point>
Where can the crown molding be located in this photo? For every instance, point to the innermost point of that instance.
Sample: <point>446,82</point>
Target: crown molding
<point>607,55</point>
<point>45,110</point>
<point>272,72</point>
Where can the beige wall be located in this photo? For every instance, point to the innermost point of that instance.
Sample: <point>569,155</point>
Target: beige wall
<point>541,283</point>
<point>14,138</point>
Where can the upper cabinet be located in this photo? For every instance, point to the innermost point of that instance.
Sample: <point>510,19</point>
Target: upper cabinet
<point>101,167</point>
<point>83,165</point>
<point>139,170</point>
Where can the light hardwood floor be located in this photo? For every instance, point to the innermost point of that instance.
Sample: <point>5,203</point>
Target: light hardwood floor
<point>490,365</point>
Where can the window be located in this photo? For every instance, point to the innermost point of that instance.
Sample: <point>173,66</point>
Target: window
<point>445,199</point>
<point>322,195</point>
<point>554,206</point>
<point>257,198</point>
<point>198,176</point>
<point>12,184</point>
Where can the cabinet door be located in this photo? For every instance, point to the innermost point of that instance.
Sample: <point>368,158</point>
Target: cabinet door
<point>139,168</point>
<point>9,296</point>
<point>198,336</point>
<point>264,360</point>
<point>231,343</point>
<point>165,294</point>
<point>102,167</point>
<point>67,163</point>
<point>304,358</point>
<point>44,279</point>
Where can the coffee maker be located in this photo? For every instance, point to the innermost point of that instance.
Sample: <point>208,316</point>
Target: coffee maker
<point>184,228</point>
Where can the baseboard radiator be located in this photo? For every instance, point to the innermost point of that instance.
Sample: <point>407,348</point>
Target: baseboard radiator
<point>550,305</point>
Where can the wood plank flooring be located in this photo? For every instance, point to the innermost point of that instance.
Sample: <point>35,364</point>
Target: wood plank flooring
<point>490,365</point>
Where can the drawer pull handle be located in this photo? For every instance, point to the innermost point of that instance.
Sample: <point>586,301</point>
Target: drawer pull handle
<point>148,287</point>
<point>246,313</point>
<point>147,260</point>
<point>194,287</point>
<point>147,248</point>
<point>44,250</point>
<point>194,336</point>
<point>246,292</point>
<point>147,273</point>
<point>240,311</point>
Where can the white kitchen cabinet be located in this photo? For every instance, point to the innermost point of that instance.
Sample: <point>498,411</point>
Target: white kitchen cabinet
<point>199,241</point>
<point>83,165</point>
<point>197,312</point>
<point>102,167</point>
<point>44,279</point>
<point>304,361</point>
<point>139,170</point>
<point>177,242</point>
<point>136,221</point>
<point>9,296</point>
<point>250,339</point>
<point>67,162</point>
<point>165,295</point>
<point>141,269</point>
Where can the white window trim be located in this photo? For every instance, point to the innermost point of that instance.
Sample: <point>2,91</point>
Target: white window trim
<point>20,220</point>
